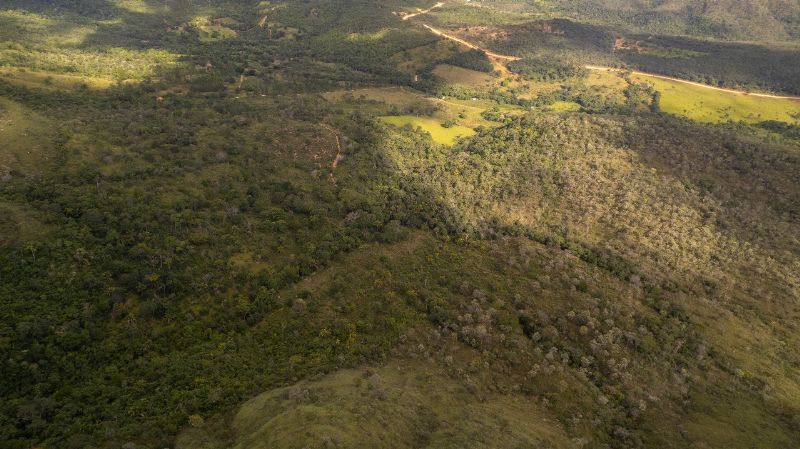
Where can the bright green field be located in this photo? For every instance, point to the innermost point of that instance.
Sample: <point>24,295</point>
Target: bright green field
<point>713,106</point>
<point>440,134</point>
<point>561,106</point>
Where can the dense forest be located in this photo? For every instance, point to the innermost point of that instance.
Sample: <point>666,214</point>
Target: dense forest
<point>209,238</point>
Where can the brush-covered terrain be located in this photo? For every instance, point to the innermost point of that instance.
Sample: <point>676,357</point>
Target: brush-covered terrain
<point>399,224</point>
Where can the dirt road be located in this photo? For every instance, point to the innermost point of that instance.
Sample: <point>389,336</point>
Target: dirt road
<point>706,86</point>
<point>611,69</point>
<point>422,11</point>
<point>590,67</point>
<point>470,45</point>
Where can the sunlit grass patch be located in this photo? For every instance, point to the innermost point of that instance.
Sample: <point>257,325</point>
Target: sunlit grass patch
<point>139,6</point>
<point>53,80</point>
<point>606,78</point>
<point>22,29</point>
<point>119,64</point>
<point>214,29</point>
<point>439,133</point>
<point>395,101</point>
<point>561,106</point>
<point>57,44</point>
<point>714,106</point>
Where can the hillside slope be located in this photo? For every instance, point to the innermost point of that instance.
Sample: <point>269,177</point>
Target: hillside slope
<point>248,224</point>
<point>768,20</point>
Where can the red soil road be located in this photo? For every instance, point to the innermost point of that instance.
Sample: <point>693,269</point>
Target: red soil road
<point>422,11</point>
<point>706,86</point>
<point>611,69</point>
<point>590,67</point>
<point>470,45</point>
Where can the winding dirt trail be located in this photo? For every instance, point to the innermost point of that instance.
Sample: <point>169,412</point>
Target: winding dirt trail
<point>510,58</point>
<point>339,156</point>
<point>470,45</point>
<point>422,11</point>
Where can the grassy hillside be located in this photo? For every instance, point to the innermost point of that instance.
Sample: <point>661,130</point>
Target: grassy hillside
<point>216,231</point>
<point>712,106</point>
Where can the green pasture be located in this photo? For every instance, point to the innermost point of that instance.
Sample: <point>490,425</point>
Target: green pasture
<point>439,133</point>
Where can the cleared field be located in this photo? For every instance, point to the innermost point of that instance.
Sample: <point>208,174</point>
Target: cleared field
<point>466,112</point>
<point>462,76</point>
<point>397,96</point>
<point>713,106</point>
<point>561,106</point>
<point>439,133</point>
<point>604,78</point>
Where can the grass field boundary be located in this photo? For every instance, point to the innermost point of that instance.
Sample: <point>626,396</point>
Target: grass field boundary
<point>693,83</point>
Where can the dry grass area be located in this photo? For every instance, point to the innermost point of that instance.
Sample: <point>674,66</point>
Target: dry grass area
<point>53,80</point>
<point>413,60</point>
<point>464,77</point>
<point>22,133</point>
<point>403,404</point>
<point>401,97</point>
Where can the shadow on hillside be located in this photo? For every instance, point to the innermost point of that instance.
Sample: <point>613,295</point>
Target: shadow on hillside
<point>733,64</point>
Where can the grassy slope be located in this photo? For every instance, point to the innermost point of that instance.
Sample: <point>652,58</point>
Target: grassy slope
<point>711,106</point>
<point>462,76</point>
<point>24,133</point>
<point>409,404</point>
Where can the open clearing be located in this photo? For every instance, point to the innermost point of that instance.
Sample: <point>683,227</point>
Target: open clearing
<point>466,112</point>
<point>439,133</point>
<point>463,77</point>
<point>391,95</point>
<point>692,83</point>
<point>562,106</point>
<point>714,106</point>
